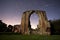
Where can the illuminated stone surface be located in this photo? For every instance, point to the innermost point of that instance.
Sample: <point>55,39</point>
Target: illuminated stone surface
<point>43,27</point>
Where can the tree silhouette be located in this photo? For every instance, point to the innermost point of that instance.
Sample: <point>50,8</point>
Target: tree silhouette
<point>52,28</point>
<point>9,29</point>
<point>3,26</point>
<point>55,26</point>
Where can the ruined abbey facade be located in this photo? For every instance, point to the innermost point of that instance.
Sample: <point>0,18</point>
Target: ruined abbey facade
<point>43,27</point>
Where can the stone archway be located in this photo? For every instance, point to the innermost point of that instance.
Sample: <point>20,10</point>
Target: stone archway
<point>42,25</point>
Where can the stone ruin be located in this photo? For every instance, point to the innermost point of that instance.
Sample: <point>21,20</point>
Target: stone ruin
<point>16,29</point>
<point>43,27</point>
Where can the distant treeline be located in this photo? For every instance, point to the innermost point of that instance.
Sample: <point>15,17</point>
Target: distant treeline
<point>4,27</point>
<point>55,27</point>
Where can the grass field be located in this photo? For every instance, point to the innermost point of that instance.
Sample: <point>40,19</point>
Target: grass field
<point>29,37</point>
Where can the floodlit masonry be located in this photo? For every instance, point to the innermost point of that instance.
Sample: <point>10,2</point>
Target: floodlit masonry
<point>43,27</point>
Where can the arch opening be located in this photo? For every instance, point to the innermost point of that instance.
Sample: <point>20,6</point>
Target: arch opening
<point>34,20</point>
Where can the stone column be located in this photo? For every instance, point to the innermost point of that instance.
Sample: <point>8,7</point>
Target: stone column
<point>25,23</point>
<point>43,23</point>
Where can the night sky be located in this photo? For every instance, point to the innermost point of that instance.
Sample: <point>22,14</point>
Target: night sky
<point>11,10</point>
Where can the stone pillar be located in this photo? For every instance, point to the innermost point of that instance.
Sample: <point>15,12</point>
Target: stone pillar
<point>25,23</point>
<point>43,23</point>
